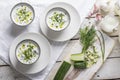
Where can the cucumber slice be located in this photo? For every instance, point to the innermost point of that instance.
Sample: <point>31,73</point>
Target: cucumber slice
<point>77,57</point>
<point>80,64</point>
<point>62,71</point>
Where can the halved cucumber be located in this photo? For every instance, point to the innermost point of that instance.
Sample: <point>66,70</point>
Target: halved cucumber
<point>80,64</point>
<point>77,57</point>
<point>62,71</point>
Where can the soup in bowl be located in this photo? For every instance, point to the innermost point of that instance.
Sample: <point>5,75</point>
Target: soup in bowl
<point>57,19</point>
<point>22,14</point>
<point>27,52</point>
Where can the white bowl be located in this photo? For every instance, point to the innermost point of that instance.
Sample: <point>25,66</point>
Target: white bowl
<point>44,57</point>
<point>17,10</point>
<point>22,47</point>
<point>53,15</point>
<point>70,31</point>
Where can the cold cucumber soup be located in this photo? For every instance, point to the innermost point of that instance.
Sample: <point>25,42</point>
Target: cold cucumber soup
<point>22,14</point>
<point>27,52</point>
<point>57,19</point>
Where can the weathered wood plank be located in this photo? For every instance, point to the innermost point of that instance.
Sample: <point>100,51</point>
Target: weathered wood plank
<point>116,49</point>
<point>115,52</point>
<point>77,49</point>
<point>112,59</point>
<point>110,69</point>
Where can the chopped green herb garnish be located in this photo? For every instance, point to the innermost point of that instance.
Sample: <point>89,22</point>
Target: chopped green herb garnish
<point>57,20</point>
<point>23,14</point>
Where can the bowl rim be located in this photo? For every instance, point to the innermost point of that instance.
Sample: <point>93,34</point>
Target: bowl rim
<point>22,42</point>
<point>59,9</point>
<point>27,4</point>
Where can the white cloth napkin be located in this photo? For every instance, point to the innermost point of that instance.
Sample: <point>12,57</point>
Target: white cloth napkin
<point>9,31</point>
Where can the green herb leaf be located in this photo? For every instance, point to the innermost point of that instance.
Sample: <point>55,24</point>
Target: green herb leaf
<point>87,37</point>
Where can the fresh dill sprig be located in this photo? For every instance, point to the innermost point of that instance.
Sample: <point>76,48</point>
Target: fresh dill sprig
<point>87,37</point>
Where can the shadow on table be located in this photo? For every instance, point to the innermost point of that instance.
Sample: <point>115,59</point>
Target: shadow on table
<point>16,30</point>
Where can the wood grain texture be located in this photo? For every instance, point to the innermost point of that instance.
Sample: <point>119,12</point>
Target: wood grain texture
<point>116,49</point>
<point>109,43</point>
<point>110,69</point>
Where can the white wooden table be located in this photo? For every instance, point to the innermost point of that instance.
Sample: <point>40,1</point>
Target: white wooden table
<point>110,69</point>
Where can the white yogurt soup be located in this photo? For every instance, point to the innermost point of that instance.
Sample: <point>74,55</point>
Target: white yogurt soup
<point>57,19</point>
<point>27,52</point>
<point>22,14</point>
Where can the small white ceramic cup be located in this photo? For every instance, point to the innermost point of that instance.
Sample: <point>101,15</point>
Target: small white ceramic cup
<point>12,14</point>
<point>61,10</point>
<point>17,48</point>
